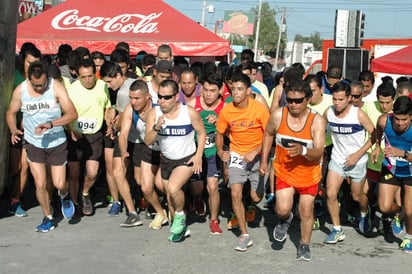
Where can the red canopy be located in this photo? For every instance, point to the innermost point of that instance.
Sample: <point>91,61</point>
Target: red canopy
<point>101,24</point>
<point>398,62</point>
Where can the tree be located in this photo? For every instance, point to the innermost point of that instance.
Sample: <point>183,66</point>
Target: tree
<point>314,39</point>
<point>269,30</point>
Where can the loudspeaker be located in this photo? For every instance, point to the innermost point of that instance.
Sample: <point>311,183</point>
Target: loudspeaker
<point>352,61</point>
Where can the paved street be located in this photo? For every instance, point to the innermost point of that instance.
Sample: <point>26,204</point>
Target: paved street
<point>97,244</point>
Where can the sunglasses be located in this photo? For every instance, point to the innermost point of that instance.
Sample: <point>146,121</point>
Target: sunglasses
<point>166,97</point>
<point>296,101</point>
<point>40,85</point>
<point>356,96</point>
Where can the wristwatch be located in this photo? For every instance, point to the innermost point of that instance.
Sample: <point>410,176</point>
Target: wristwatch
<point>155,129</point>
<point>406,155</point>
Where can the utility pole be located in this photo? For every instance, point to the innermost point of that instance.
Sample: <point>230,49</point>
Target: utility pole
<point>8,30</point>
<point>281,26</point>
<point>257,30</point>
<point>203,13</point>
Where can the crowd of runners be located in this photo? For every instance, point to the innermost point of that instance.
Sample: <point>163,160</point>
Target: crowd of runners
<point>174,133</point>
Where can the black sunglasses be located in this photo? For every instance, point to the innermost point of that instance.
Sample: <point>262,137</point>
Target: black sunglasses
<point>39,86</point>
<point>296,100</point>
<point>356,96</point>
<point>166,97</point>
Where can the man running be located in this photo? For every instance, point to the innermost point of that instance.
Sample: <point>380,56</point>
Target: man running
<point>174,125</point>
<point>396,168</point>
<point>300,140</point>
<point>42,101</point>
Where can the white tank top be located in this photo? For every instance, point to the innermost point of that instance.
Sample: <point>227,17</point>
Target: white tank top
<point>348,135</point>
<point>177,136</point>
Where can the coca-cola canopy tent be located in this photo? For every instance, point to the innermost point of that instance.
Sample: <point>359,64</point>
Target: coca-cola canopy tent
<point>397,62</point>
<point>101,24</point>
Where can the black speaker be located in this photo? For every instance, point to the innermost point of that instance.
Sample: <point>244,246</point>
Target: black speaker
<point>352,61</point>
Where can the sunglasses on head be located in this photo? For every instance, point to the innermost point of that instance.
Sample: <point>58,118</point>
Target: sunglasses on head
<point>356,96</point>
<point>295,100</point>
<point>166,97</point>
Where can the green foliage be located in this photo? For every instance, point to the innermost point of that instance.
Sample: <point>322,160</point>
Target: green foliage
<point>269,30</point>
<point>314,39</point>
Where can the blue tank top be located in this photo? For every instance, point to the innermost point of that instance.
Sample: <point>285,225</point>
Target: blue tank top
<point>398,166</point>
<point>38,111</point>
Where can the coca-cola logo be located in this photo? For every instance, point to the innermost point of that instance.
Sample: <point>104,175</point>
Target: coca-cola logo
<point>124,23</point>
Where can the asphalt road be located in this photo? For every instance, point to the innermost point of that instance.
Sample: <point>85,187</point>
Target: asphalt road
<point>97,244</point>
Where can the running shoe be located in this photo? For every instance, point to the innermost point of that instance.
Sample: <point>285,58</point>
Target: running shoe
<point>178,237</point>
<point>159,220</point>
<point>67,207</point>
<point>270,202</point>
<point>281,230</point>
<point>244,243</point>
<point>17,210</point>
<point>397,226</point>
<point>179,224</point>
<point>132,220</point>
<point>115,209</point>
<point>214,227</point>
<point>46,225</point>
<point>303,253</point>
<point>233,223</point>
<point>334,237</point>
<point>316,224</point>
<point>406,245</point>
<point>365,222</point>
<point>251,214</point>
<point>87,205</point>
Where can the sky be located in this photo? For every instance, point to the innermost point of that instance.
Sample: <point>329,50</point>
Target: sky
<point>383,18</point>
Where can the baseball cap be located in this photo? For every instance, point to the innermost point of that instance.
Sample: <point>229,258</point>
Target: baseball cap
<point>164,66</point>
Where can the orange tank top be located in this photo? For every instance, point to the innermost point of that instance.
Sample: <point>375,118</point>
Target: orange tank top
<point>297,171</point>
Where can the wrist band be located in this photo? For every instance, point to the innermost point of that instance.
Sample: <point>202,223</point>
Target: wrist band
<point>304,151</point>
<point>155,129</point>
<point>51,124</point>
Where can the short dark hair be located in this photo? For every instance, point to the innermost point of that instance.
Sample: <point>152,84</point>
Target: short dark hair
<point>402,79</point>
<point>402,105</point>
<point>120,56</point>
<point>315,79</point>
<point>334,72</point>
<point>291,75</point>
<point>341,86</point>
<point>189,71</point>
<point>86,63</point>
<point>97,55</point>
<point>240,77</point>
<point>214,79</point>
<point>63,54</point>
<point>139,85</point>
<point>110,69</point>
<point>299,67</point>
<point>37,69</point>
<point>33,51</point>
<point>164,48</point>
<point>148,59</point>
<point>247,54</point>
<point>83,52</point>
<point>404,85</point>
<point>74,60</point>
<point>170,83</point>
<point>300,86</point>
<point>245,66</point>
<point>124,46</point>
<point>54,72</point>
<point>366,76</point>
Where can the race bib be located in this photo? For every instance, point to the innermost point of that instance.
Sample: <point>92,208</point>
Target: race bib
<point>210,140</point>
<point>236,161</point>
<point>86,125</point>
